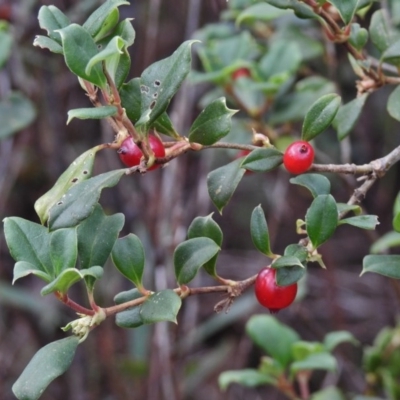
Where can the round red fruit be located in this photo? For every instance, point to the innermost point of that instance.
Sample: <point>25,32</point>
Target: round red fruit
<point>130,154</point>
<point>241,73</point>
<point>269,294</point>
<point>298,157</point>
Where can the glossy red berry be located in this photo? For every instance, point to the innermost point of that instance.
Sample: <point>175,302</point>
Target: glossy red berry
<point>241,73</point>
<point>298,157</point>
<point>130,154</point>
<point>269,294</point>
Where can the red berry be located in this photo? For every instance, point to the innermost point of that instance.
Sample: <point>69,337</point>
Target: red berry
<point>298,157</point>
<point>269,294</point>
<point>241,73</point>
<point>130,154</point>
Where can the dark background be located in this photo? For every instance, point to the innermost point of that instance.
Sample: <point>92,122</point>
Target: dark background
<point>165,361</point>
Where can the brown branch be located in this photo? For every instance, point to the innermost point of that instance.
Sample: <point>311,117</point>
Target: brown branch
<point>71,304</point>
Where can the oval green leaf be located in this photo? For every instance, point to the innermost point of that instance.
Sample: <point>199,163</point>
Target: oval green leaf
<point>92,113</point>
<point>317,184</point>
<point>191,255</point>
<point>386,265</point>
<point>161,306</point>
<point>333,339</point>
<point>346,8</point>
<point>320,115</point>
<point>47,364</point>
<point>321,219</point>
<point>63,250</point>
<point>213,123</point>
<point>223,181</point>
<point>263,160</point>
<point>245,377</point>
<point>361,221</point>
<point>259,232</point>
<point>324,361</point>
<point>128,256</point>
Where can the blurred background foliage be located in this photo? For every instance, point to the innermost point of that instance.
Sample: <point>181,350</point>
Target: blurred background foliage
<point>166,361</point>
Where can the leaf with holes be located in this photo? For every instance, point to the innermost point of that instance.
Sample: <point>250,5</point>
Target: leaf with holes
<point>213,123</point>
<point>317,184</point>
<point>47,364</point>
<point>160,81</point>
<point>320,115</point>
<point>78,171</point>
<point>321,219</point>
<point>79,49</point>
<point>161,306</point>
<point>191,255</point>
<point>92,113</point>
<point>97,235</point>
<point>263,160</point>
<point>29,245</point>
<point>128,256</point>
<point>79,202</point>
<point>207,227</point>
<point>223,181</point>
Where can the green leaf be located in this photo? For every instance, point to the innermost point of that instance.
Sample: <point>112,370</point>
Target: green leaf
<point>320,115</point>
<point>361,221</point>
<point>52,19</point>
<point>213,123</point>
<point>393,104</point>
<point>97,236</point>
<point>46,43</point>
<point>387,241</point>
<point>263,160</point>
<point>127,295</point>
<point>79,49</point>
<point>346,8</point>
<point>207,227</point>
<point>288,275</point>
<point>128,256</point>
<point>16,113</point>
<point>259,232</point>
<point>348,115</point>
<point>129,318</point>
<point>23,268</point>
<point>259,12</point>
<point>222,183</point>
<point>160,81</point>
<point>317,184</point>
<point>245,377</point>
<point>6,42</point>
<point>109,23</point>
<point>286,261</point>
<point>95,23</point>
<point>302,349</point>
<point>29,242</point>
<point>321,219</point>
<point>379,30</point>
<point>68,277</point>
<point>92,113</point>
<point>46,365</point>
<point>289,270</point>
<point>131,101</point>
<point>343,207</point>
<point>283,57</point>
<point>386,265</point>
<point>324,361</point>
<point>392,54</point>
<point>191,255</point>
<point>300,9</point>
<point>358,36</point>
<point>78,203</point>
<point>333,339</point>
<point>273,337</point>
<point>298,251</point>
<point>161,306</point>
<point>112,52</point>
<point>331,393</point>
<point>78,171</point>
<point>63,250</point>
